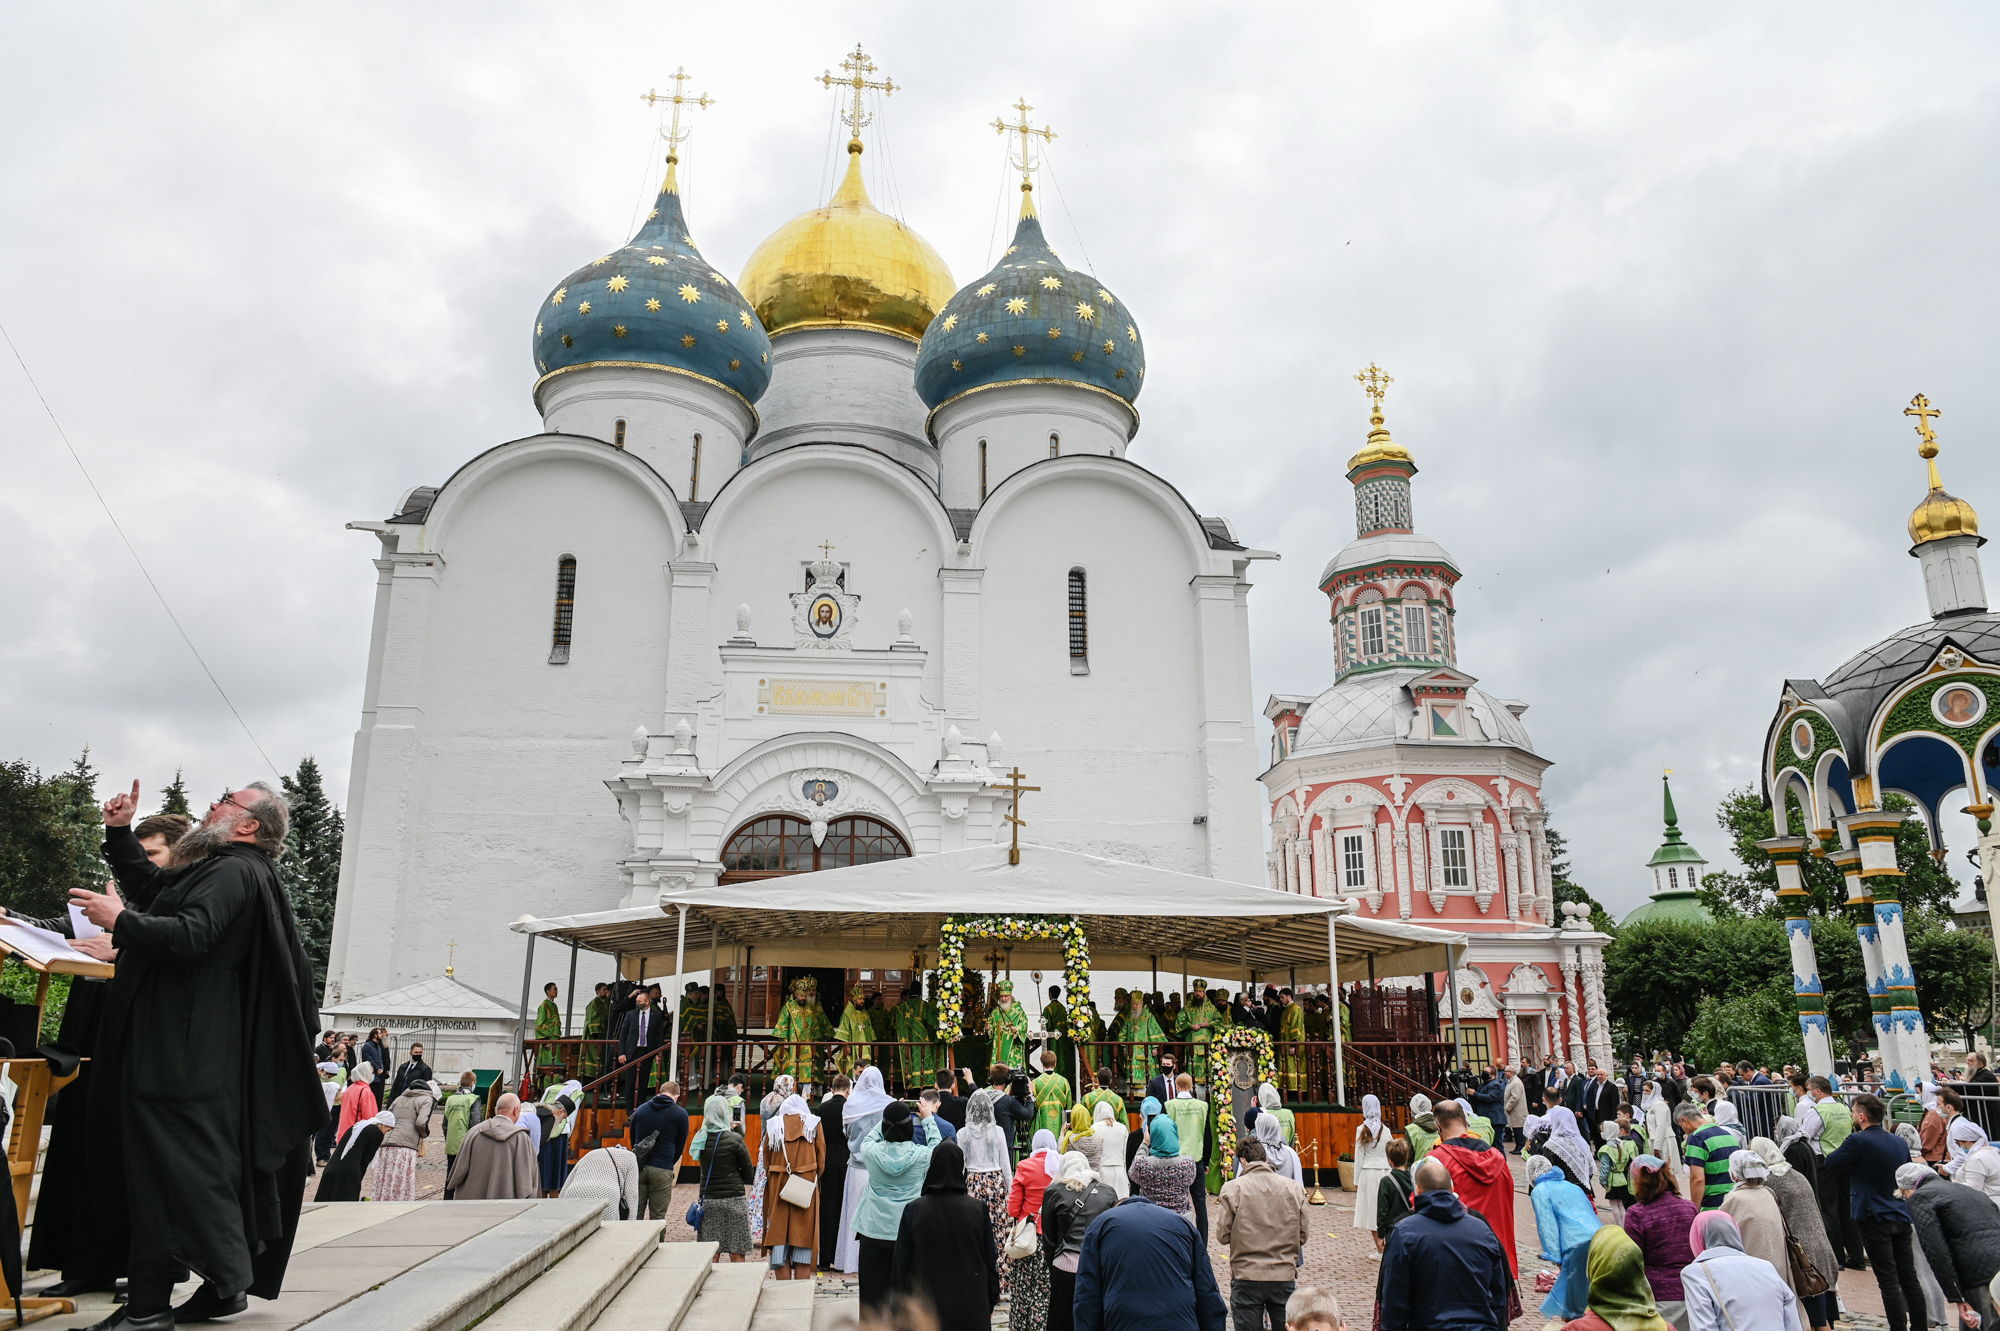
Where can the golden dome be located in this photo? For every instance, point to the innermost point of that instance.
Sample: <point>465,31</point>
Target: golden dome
<point>1381,448</point>
<point>847,264</point>
<point>1939,514</point>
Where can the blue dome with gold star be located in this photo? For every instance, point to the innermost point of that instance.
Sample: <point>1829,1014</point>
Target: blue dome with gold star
<point>657,303</point>
<point>1032,319</point>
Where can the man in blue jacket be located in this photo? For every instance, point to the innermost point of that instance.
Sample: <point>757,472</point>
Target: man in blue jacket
<point>1870,1158</point>
<point>662,1119</point>
<point>1443,1269</point>
<point>1144,1268</point>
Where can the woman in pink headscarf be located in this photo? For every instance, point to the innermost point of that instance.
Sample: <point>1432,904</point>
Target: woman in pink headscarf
<point>1729,1290</point>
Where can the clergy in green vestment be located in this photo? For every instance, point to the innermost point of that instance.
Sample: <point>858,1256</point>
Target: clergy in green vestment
<point>1291,1042</point>
<point>1102,1094</point>
<point>1007,1028</point>
<point>801,1023</point>
<point>918,1054</point>
<point>1052,1095</point>
<point>548,1026</point>
<point>1142,1038</point>
<point>596,1021</point>
<point>856,1033</point>
<point>1199,1023</point>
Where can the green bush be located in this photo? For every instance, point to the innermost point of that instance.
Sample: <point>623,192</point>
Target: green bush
<point>18,983</point>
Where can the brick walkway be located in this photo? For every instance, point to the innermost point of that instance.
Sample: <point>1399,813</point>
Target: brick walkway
<point>1340,1257</point>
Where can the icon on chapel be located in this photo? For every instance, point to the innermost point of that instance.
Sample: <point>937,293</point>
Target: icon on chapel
<point>1802,739</point>
<point>823,615</point>
<point>1958,705</point>
<point>819,791</point>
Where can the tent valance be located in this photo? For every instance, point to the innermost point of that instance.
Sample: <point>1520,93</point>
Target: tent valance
<point>1135,916</point>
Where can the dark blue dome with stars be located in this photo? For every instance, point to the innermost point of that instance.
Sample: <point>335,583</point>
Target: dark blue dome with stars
<point>656,302</point>
<point>1032,318</point>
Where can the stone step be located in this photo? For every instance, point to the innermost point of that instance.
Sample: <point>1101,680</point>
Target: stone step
<point>660,1292</point>
<point>784,1305</point>
<point>569,1295</point>
<point>728,1298</point>
<point>462,1284</point>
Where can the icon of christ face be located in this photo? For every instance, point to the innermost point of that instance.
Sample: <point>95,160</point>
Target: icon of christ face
<point>824,615</point>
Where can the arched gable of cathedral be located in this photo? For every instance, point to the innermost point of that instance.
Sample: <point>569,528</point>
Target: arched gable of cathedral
<point>537,450</point>
<point>742,490</point>
<point>817,776</point>
<point>1022,486</point>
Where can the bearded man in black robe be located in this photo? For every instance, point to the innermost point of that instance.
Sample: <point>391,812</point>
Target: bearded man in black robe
<point>205,1098</point>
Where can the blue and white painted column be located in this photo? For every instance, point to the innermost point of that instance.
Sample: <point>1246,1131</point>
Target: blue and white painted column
<point>1874,835</point>
<point>1787,857</point>
<point>1861,909</point>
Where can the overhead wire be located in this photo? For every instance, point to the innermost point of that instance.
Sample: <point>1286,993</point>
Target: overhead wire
<point>1076,231</point>
<point>91,481</point>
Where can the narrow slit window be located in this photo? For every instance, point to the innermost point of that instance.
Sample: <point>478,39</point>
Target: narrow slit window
<point>1079,625</point>
<point>565,609</point>
<point>1055,445</point>
<point>618,432</point>
<point>1452,842</point>
<point>694,472</point>
<point>982,470</point>
<point>1354,869</point>
<point>1416,641</point>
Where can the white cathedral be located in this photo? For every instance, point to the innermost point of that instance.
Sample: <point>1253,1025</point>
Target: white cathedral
<point>799,566</point>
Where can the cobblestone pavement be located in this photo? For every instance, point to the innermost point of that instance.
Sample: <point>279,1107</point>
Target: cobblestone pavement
<point>1340,1258</point>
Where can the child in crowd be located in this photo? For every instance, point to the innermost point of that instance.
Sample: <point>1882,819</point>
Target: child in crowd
<point>1311,1309</point>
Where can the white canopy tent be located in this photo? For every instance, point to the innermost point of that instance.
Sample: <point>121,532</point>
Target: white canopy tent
<point>1134,915</point>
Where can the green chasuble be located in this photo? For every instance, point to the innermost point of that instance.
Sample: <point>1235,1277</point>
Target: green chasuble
<point>800,1024</point>
<point>918,1055</point>
<point>1292,1060</point>
<point>548,1026</point>
<point>1142,1036</point>
<point>1100,1096</point>
<point>1199,1023</point>
<point>1007,1028</point>
<point>1052,1102</point>
<point>856,1034</point>
<point>596,1019</point>
<point>1317,1026</point>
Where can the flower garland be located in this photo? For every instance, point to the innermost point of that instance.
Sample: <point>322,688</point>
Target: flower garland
<point>956,929</point>
<point>1236,1037</point>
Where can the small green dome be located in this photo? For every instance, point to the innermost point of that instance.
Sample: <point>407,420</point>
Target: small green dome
<point>1674,907</point>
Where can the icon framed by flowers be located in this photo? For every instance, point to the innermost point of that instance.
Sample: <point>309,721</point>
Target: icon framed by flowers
<point>1258,1043</point>
<point>958,929</point>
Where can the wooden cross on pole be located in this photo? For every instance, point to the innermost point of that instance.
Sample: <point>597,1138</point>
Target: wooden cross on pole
<point>1015,789</point>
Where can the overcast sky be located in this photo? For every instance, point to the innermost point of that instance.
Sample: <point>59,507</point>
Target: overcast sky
<point>1654,287</point>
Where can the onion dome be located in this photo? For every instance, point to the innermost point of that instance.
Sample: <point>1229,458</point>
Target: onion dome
<point>1033,319</point>
<point>1938,514</point>
<point>656,303</point>
<point>847,265</point>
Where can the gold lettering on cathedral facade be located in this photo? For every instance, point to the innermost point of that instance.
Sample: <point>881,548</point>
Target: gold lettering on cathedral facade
<point>822,697</point>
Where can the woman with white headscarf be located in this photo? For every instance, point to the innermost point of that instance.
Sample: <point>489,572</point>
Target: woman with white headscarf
<point>861,1116</point>
<point>1106,1124</point>
<point>1422,1129</point>
<point>794,1148</point>
<point>1658,1117</point>
<point>1282,1158</point>
<point>1566,1149</point>
<point>1754,1208</point>
<point>781,1086</point>
<point>341,1180</point>
<point>1724,1113</point>
<point>1371,1161</point>
<point>1800,1209</point>
<point>1269,1101</point>
<point>989,1167</point>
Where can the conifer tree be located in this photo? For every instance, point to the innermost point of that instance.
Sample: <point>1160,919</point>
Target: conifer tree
<point>310,869</point>
<point>174,799</point>
<point>83,825</point>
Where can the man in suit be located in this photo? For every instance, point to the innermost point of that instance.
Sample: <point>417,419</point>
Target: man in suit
<point>1572,1089</point>
<point>640,1032</point>
<point>1161,1087</point>
<point>1597,1102</point>
<point>951,1108</point>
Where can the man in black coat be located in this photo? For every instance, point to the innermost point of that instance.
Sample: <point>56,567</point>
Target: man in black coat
<point>1960,1232</point>
<point>1443,1266</point>
<point>833,1178</point>
<point>640,1032</point>
<point>951,1108</point>
<point>209,1100</point>
<point>375,1053</point>
<point>414,1070</point>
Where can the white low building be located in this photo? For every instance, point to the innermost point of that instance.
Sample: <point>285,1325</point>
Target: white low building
<point>461,1029</point>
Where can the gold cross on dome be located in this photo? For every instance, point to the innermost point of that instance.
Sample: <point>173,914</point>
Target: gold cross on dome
<point>858,67</point>
<point>1374,382</point>
<point>826,550</point>
<point>1920,407</point>
<point>678,98</point>
<point>1025,163</point>
<point>451,956</point>
<point>1015,789</point>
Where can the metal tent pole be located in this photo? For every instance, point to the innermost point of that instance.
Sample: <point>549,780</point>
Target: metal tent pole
<point>527,989</point>
<point>1451,980</point>
<point>680,964</point>
<point>1333,988</point>
<point>569,1010</point>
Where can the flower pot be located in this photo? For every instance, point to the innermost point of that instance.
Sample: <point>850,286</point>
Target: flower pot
<point>1347,1176</point>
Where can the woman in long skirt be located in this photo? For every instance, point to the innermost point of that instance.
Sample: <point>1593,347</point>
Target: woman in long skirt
<point>862,1116</point>
<point>988,1169</point>
<point>794,1147</point>
<point>1371,1161</point>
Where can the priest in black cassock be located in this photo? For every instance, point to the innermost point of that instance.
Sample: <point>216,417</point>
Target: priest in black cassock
<point>206,1099</point>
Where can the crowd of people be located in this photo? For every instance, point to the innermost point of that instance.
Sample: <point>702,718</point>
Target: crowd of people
<point>1719,1202</point>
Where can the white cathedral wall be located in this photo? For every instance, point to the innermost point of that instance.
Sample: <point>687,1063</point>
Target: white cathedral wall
<point>663,412</point>
<point>1115,750</point>
<point>845,386</point>
<point>1015,422</point>
<point>483,767</point>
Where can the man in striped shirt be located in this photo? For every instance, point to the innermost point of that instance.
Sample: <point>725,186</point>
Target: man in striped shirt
<point>1708,1149</point>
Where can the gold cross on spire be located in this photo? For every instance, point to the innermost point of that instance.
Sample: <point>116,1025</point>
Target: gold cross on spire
<point>858,67</point>
<point>674,134</point>
<point>826,549</point>
<point>1920,407</point>
<point>1025,163</point>
<point>1015,789</point>
<point>1374,382</point>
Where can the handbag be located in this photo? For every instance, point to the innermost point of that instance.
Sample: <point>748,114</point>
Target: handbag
<point>1806,1279</point>
<point>1022,1240</point>
<point>694,1212</point>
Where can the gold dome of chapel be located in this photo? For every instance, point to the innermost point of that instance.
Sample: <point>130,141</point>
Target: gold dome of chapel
<point>1937,514</point>
<point>848,264</point>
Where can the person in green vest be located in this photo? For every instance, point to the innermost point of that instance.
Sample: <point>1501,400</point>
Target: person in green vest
<point>918,1056</point>
<point>1191,1119</point>
<point>548,1026</point>
<point>1614,1168</point>
<point>801,1023</point>
<point>1199,1023</point>
<point>461,1111</point>
<point>1052,1095</point>
<point>1269,1102</point>
<point>1478,1125</point>
<point>856,1033</point>
<point>1421,1129</point>
<point>1142,1038</point>
<point>1007,1027</point>
<point>596,1022</point>
<point>1292,1046</point>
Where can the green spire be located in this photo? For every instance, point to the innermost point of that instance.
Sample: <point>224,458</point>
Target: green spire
<point>1673,819</point>
<point>1673,850</point>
